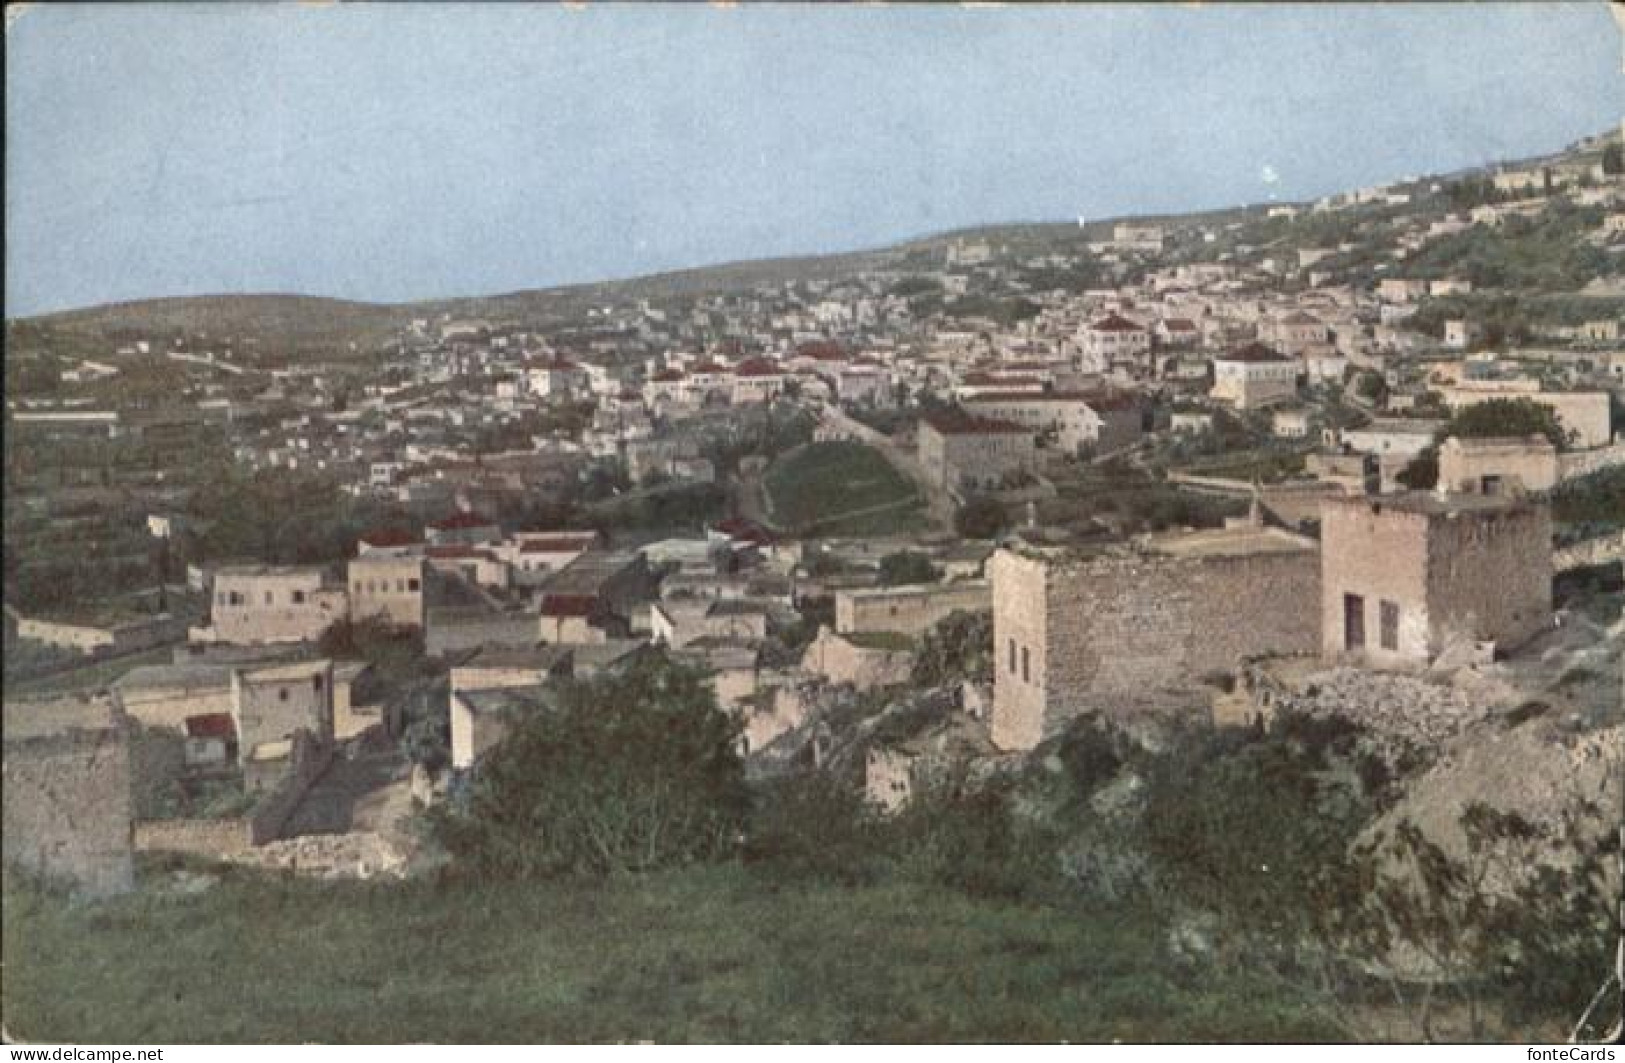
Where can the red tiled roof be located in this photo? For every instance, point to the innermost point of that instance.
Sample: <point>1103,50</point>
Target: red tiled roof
<point>990,379</point>
<point>747,530</point>
<point>211,725</point>
<point>756,367</point>
<point>1115,323</point>
<point>569,604</point>
<point>960,423</point>
<point>459,551</point>
<point>390,537</point>
<point>707,367</point>
<point>459,521</point>
<point>1179,324</point>
<point>824,351</point>
<point>1254,352</point>
<point>554,544</point>
<point>666,376</point>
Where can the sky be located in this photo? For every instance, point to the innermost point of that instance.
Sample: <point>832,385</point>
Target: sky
<point>397,152</point>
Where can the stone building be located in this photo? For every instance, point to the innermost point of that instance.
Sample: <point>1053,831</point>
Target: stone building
<point>1105,421</point>
<point>1407,577</point>
<point>271,603</point>
<point>486,686</point>
<point>1495,466</point>
<point>1114,341</point>
<point>907,610</point>
<point>66,802</point>
<point>1138,628</point>
<point>966,454</point>
<point>387,588</point>
<point>270,703</point>
<point>1254,376</point>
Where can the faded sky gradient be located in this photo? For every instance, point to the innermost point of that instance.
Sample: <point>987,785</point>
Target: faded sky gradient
<point>396,152</point>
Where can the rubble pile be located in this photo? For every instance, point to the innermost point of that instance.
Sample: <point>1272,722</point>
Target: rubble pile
<point>357,855</point>
<point>1405,707</point>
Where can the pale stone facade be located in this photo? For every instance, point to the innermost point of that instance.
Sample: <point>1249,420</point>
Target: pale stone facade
<point>265,603</point>
<point>1407,576</point>
<point>969,454</point>
<point>270,704</point>
<point>909,610</point>
<point>387,588</point>
<point>1076,419</point>
<point>1254,376</point>
<point>1491,466</point>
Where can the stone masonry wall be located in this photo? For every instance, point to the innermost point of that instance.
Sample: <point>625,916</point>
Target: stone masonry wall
<point>1490,577</point>
<point>1132,634</point>
<point>67,809</point>
<point>1379,554</point>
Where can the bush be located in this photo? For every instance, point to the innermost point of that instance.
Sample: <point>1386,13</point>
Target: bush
<point>623,773</point>
<point>980,518</point>
<point>905,567</point>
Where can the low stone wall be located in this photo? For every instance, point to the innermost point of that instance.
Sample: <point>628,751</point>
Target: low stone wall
<point>1580,463</point>
<point>840,661</point>
<point>1598,551</point>
<point>201,837</point>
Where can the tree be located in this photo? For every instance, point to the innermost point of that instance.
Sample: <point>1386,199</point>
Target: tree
<point>1613,160</point>
<point>619,774</point>
<point>1507,417</point>
<point>907,566</point>
<point>960,646</point>
<point>980,518</point>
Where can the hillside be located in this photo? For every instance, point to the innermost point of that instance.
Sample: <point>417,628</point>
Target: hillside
<point>301,324</point>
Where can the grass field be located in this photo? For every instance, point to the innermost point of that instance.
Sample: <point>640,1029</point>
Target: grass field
<point>716,954</point>
<point>841,489</point>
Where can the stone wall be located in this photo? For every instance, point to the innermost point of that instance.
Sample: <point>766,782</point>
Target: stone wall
<point>1377,554</point>
<point>910,610</point>
<point>1454,574</point>
<point>67,812</point>
<point>1126,634</point>
<point>449,631</point>
<point>201,837</point>
<point>1580,463</point>
<point>1491,579</point>
<point>839,661</point>
<point>1598,551</point>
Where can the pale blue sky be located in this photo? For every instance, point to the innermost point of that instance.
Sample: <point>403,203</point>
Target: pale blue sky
<point>393,152</point>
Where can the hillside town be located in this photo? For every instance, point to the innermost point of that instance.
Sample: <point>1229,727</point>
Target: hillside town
<point>277,592</point>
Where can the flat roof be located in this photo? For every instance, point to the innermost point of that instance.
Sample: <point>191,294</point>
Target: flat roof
<point>25,718</point>
<point>1246,541</point>
<point>1433,504</point>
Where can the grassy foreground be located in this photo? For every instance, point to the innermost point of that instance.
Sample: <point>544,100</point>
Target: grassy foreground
<point>716,954</point>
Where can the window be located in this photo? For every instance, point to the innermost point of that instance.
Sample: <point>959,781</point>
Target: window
<point>220,599</point>
<point>298,597</point>
<point>1012,656</point>
<point>1388,632</point>
<point>1353,622</point>
<point>267,597</point>
<point>316,683</point>
<point>282,693</point>
<point>412,584</point>
<point>236,598</point>
<point>1026,663</point>
<point>400,586</point>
